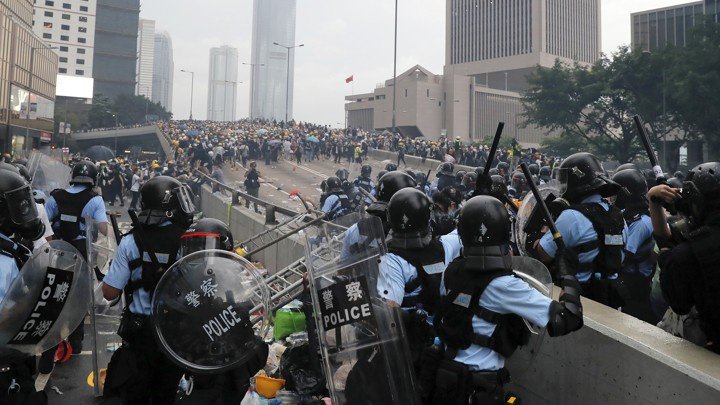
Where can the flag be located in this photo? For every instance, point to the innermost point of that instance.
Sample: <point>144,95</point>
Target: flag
<point>349,79</point>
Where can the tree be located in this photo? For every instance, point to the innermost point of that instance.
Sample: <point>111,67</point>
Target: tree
<point>99,115</point>
<point>564,145</point>
<point>130,110</point>
<point>597,103</point>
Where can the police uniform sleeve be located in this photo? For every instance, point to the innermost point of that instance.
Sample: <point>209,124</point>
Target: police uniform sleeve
<point>44,218</point>
<point>507,295</point>
<point>51,208</point>
<point>637,233</point>
<point>329,202</point>
<point>8,272</point>
<point>567,226</point>
<point>391,281</point>
<point>676,276</point>
<point>97,210</point>
<point>119,273</point>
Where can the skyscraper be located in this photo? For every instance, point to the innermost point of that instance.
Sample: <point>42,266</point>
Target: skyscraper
<point>657,28</point>
<point>115,59</point>
<point>163,68</point>
<point>222,84</point>
<point>145,60</point>
<point>272,77</point>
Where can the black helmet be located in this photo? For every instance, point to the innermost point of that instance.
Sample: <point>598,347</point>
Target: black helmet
<point>581,174</point>
<point>333,184</point>
<point>421,178</point>
<point>23,171</point>
<point>701,191</point>
<point>675,182</point>
<point>635,187</point>
<point>365,170</point>
<point>165,198</point>
<point>342,174</point>
<point>484,221</point>
<point>391,183</point>
<point>445,169</point>
<point>84,172</point>
<point>679,175</point>
<point>519,182</point>
<point>381,173</point>
<point>18,211</point>
<point>409,212</point>
<point>626,166</point>
<point>545,173</point>
<point>470,179</point>
<point>503,166</point>
<point>390,167</point>
<point>207,233</point>
<point>410,172</point>
<point>534,169</point>
<point>492,172</point>
<point>459,176</point>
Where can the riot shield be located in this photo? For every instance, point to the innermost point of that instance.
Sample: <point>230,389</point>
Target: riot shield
<point>104,315</point>
<point>527,215</point>
<point>45,302</point>
<point>48,174</point>
<point>202,310</point>
<point>362,341</point>
<point>538,277</point>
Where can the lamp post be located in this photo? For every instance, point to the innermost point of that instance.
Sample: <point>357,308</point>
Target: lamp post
<point>395,69</point>
<point>192,88</point>
<point>287,85</point>
<point>30,88</point>
<point>252,83</point>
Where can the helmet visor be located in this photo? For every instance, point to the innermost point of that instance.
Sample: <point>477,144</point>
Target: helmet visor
<point>192,242</point>
<point>562,176</point>
<point>21,206</point>
<point>184,198</point>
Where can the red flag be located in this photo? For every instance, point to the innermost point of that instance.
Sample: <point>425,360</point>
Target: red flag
<point>349,79</point>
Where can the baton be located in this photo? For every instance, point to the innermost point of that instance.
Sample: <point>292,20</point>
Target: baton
<point>659,175</point>
<point>543,208</point>
<point>425,182</point>
<point>494,147</point>
<point>116,231</point>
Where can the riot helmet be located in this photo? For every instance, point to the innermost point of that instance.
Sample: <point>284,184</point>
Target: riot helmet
<point>342,174</point>
<point>503,166</point>
<point>84,172</point>
<point>635,188</point>
<point>470,180</point>
<point>679,175</point>
<point>545,173</point>
<point>675,182</point>
<point>459,176</point>
<point>333,184</point>
<point>445,169</point>
<point>484,229</point>
<point>492,172</point>
<point>18,211</point>
<point>534,169</point>
<point>23,171</point>
<point>519,182</point>
<point>581,175</point>
<point>206,233</point>
<point>391,183</point>
<point>626,166</point>
<point>410,172</point>
<point>165,198</point>
<point>390,167</point>
<point>421,178</point>
<point>366,171</point>
<point>409,213</point>
<point>381,173</point>
<point>701,192</point>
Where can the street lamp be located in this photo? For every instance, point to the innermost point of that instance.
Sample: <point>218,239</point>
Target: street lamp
<point>395,68</point>
<point>252,83</point>
<point>30,89</point>
<point>192,88</point>
<point>287,85</point>
<point>114,115</point>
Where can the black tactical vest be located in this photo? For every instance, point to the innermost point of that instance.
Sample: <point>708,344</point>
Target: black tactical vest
<point>364,183</point>
<point>429,263</point>
<point>609,226</point>
<point>341,206</point>
<point>704,245</point>
<point>70,207</point>
<point>165,243</point>
<point>20,253</point>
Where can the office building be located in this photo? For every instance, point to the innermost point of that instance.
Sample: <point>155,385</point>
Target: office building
<point>28,72</point>
<point>655,29</point>
<point>712,9</point>
<point>146,58</point>
<point>222,84</point>
<point>272,69</point>
<point>163,69</point>
<point>116,33</point>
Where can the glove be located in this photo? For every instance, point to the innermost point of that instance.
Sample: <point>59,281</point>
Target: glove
<point>567,263</point>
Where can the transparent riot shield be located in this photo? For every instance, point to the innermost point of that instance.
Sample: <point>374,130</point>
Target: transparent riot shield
<point>48,174</point>
<point>202,309</point>
<point>362,341</point>
<point>104,315</point>
<point>45,302</point>
<point>538,277</point>
<point>527,215</point>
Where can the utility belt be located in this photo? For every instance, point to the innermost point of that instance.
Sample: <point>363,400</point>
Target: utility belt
<point>602,290</point>
<point>456,384</point>
<point>134,327</point>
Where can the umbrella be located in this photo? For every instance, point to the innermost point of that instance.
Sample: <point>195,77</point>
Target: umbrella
<point>193,133</point>
<point>313,139</point>
<point>261,131</point>
<point>99,152</point>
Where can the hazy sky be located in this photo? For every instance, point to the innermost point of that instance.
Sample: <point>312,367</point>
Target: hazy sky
<point>341,37</point>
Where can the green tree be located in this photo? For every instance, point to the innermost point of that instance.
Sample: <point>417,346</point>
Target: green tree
<point>130,110</point>
<point>100,113</point>
<point>564,145</point>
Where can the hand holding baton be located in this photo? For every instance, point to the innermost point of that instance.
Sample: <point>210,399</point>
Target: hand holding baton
<point>659,174</point>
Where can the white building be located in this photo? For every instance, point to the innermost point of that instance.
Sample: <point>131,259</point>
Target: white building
<point>146,58</point>
<point>163,68</point>
<point>272,74</point>
<point>69,26</point>
<point>222,84</point>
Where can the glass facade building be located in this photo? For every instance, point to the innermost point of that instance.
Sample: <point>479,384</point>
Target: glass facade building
<point>115,59</point>
<point>222,84</point>
<point>146,56</point>
<point>27,81</point>
<point>271,87</point>
<point>655,29</point>
<point>163,68</point>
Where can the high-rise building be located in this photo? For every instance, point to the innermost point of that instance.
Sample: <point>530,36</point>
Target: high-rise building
<point>655,29</point>
<point>712,9</point>
<point>163,68</point>
<point>28,73</point>
<point>222,84</point>
<point>115,61</point>
<point>146,57</point>
<point>272,73</point>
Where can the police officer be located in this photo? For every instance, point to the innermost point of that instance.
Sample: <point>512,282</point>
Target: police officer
<point>689,263</point>
<point>166,212</point>
<point>483,305</point>
<point>364,181</point>
<point>229,387</point>
<point>337,203</point>
<point>590,228</point>
<point>444,177</point>
<point>19,219</point>
<point>40,199</point>
<point>635,280</point>
<point>545,175</point>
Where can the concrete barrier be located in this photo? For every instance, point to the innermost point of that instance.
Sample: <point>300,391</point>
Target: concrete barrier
<point>414,161</point>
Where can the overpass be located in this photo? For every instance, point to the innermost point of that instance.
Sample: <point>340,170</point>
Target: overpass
<point>148,138</point>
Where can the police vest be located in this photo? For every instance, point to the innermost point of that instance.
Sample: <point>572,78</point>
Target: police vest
<point>70,207</point>
<point>165,244</point>
<point>704,245</point>
<point>20,253</point>
<point>364,183</point>
<point>465,282</point>
<point>429,263</point>
<point>609,226</point>
<point>645,250</point>
<point>340,207</point>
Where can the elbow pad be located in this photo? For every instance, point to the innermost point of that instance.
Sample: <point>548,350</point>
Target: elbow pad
<point>566,316</point>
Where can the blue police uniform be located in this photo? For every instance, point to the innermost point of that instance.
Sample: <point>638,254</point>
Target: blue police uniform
<point>639,244</point>
<point>95,209</point>
<point>452,245</point>
<point>332,204</point>
<point>576,229</point>
<point>8,271</point>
